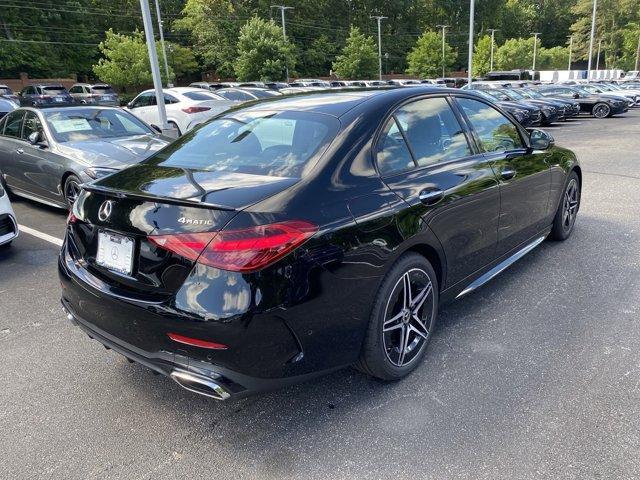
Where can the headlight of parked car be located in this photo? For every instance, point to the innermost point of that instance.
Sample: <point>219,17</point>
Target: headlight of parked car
<point>519,114</point>
<point>99,172</point>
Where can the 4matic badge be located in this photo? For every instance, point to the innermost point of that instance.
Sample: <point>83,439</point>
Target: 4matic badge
<point>194,221</point>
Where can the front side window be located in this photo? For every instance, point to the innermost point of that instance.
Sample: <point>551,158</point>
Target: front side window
<point>88,124</point>
<point>277,144</point>
<point>13,124</point>
<point>31,124</point>
<point>433,131</point>
<point>496,132</point>
<point>144,100</point>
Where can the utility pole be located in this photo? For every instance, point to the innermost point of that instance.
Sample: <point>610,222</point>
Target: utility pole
<point>593,32</point>
<point>638,55</point>
<point>493,41</point>
<point>155,68</point>
<point>570,51</point>
<point>284,29</point>
<point>598,56</point>
<point>164,50</point>
<point>379,19</point>
<point>535,49</point>
<point>470,65</point>
<point>443,27</point>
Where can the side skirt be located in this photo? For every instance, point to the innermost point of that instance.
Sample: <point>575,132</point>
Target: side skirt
<point>36,198</point>
<point>500,267</point>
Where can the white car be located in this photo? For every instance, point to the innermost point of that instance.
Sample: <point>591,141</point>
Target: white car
<point>186,107</point>
<point>8,224</point>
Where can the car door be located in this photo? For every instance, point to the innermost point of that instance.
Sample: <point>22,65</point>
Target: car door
<point>426,155</point>
<point>41,168</point>
<point>524,174</point>
<point>9,145</point>
<point>144,107</point>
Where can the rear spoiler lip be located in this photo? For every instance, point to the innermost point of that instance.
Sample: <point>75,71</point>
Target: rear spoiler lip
<point>154,198</point>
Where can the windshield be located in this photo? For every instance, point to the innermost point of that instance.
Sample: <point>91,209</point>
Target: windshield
<point>485,95</point>
<point>513,94</point>
<point>78,124</point>
<point>277,144</point>
<point>264,93</point>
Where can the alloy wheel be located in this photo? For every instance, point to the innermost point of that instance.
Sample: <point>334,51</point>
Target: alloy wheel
<point>71,191</point>
<point>601,110</point>
<point>409,314</point>
<point>570,205</point>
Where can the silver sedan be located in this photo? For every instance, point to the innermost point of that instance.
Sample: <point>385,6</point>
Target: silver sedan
<point>46,154</point>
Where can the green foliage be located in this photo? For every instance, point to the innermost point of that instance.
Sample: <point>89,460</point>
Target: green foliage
<point>555,58</point>
<point>125,61</point>
<point>359,57</point>
<point>214,28</point>
<point>263,53</point>
<point>482,56</point>
<point>315,60</point>
<point>425,60</point>
<point>515,53</point>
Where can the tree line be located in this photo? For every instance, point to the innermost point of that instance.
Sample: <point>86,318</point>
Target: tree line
<point>243,38</point>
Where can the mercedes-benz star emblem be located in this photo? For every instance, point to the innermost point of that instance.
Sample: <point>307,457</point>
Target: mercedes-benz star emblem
<point>105,209</point>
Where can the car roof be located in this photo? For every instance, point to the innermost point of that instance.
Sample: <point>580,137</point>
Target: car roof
<point>337,103</point>
<point>70,108</point>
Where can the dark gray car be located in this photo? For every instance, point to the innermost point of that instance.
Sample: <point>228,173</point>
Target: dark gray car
<point>45,95</point>
<point>94,94</point>
<point>45,155</point>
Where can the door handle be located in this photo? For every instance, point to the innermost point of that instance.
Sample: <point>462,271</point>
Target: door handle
<point>507,173</point>
<point>431,197</point>
<point>20,150</point>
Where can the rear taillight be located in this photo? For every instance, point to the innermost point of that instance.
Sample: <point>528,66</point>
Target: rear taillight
<point>71,218</point>
<point>244,250</point>
<point>195,109</point>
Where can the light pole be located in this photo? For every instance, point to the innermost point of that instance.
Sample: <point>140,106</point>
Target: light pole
<point>443,27</point>
<point>471,15</point>
<point>284,30</point>
<point>164,50</point>
<point>493,41</point>
<point>598,56</point>
<point>379,19</point>
<point>153,60</point>
<point>638,55</point>
<point>386,62</point>
<point>570,51</point>
<point>593,32</point>
<point>535,49</point>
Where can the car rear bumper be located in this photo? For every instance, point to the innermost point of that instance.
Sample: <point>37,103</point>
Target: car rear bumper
<point>264,352</point>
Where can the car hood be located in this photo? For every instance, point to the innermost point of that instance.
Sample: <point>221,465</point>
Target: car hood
<point>521,106</point>
<point>226,189</point>
<point>549,103</point>
<point>113,152</point>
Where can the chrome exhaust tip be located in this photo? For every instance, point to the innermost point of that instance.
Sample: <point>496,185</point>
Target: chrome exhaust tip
<point>199,384</point>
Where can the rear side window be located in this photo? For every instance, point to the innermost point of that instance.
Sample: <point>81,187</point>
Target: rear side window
<point>204,95</point>
<point>495,131</point>
<point>433,131</point>
<point>13,124</point>
<point>277,144</point>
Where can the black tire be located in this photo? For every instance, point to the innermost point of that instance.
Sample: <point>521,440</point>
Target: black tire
<point>70,189</point>
<point>568,207</point>
<point>175,125</point>
<point>601,110</point>
<point>379,349</point>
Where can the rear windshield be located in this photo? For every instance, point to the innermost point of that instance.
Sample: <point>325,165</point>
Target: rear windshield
<point>235,95</point>
<point>102,89</point>
<point>5,91</point>
<point>204,95</point>
<point>53,90</point>
<point>265,93</point>
<point>79,124</point>
<point>277,144</point>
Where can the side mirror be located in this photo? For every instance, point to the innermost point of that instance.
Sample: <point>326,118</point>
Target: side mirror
<point>156,128</point>
<point>35,138</point>
<point>130,105</point>
<point>576,95</point>
<point>540,140</point>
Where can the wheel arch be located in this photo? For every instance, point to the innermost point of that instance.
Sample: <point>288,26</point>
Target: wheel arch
<point>63,179</point>
<point>435,258</point>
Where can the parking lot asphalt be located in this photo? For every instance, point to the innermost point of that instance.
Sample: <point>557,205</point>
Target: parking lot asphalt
<point>535,375</point>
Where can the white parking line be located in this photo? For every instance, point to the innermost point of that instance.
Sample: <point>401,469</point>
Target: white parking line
<point>42,236</point>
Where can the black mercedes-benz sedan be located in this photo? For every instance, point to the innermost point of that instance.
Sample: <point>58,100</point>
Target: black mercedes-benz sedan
<point>295,236</point>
